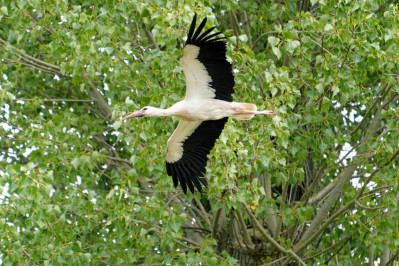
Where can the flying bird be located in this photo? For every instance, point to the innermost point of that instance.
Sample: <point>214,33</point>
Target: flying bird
<point>205,109</point>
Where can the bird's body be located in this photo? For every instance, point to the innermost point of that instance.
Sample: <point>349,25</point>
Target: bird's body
<point>205,109</point>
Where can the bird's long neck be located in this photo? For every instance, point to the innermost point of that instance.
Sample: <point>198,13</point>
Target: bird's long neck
<point>178,109</point>
<point>163,112</point>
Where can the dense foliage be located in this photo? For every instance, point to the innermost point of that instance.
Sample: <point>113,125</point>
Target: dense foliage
<point>316,183</point>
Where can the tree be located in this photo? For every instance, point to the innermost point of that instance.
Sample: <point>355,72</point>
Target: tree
<point>315,184</point>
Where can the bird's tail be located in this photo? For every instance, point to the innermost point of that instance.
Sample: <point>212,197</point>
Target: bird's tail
<point>246,107</point>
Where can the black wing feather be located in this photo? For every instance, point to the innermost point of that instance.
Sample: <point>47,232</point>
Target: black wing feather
<point>199,39</point>
<point>199,29</point>
<point>211,36</point>
<point>212,55</point>
<point>190,168</point>
<point>192,27</point>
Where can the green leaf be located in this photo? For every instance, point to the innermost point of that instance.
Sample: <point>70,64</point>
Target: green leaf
<point>109,50</point>
<point>4,10</point>
<point>143,135</point>
<point>117,124</point>
<point>273,41</point>
<point>75,162</point>
<point>335,90</point>
<point>243,38</point>
<point>320,88</point>
<point>291,45</point>
<point>277,52</point>
<point>328,27</point>
<point>110,194</point>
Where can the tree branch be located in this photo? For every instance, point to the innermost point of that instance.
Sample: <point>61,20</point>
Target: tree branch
<point>150,37</point>
<point>53,100</point>
<point>383,6</point>
<point>324,49</point>
<point>328,203</point>
<point>245,22</point>
<point>204,213</point>
<point>263,35</point>
<point>322,193</point>
<point>216,222</point>
<point>345,239</point>
<point>27,255</point>
<point>378,99</point>
<point>345,176</point>
<point>270,219</point>
<point>391,260</point>
<point>37,62</point>
<point>247,239</point>
<point>305,197</point>
<point>303,244</point>
<point>98,98</point>
<point>55,70</point>
<point>235,24</point>
<point>269,238</point>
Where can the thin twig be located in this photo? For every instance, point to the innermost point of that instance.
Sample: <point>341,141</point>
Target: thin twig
<point>204,213</point>
<point>51,229</point>
<point>52,100</point>
<point>29,58</point>
<point>194,228</point>
<point>318,44</point>
<point>263,35</point>
<point>27,255</point>
<point>119,159</point>
<point>393,258</point>
<point>366,207</point>
<point>332,246</point>
<point>378,99</point>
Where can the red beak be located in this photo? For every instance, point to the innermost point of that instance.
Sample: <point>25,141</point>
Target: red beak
<point>135,114</point>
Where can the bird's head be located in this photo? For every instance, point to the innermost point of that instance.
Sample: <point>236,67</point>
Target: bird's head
<point>145,111</point>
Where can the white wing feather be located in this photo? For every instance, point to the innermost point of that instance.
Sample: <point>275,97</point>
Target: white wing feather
<point>197,78</point>
<point>175,142</point>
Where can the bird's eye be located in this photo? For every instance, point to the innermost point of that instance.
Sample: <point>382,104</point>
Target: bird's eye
<point>145,108</point>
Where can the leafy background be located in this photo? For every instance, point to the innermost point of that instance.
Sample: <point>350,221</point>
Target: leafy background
<point>315,184</point>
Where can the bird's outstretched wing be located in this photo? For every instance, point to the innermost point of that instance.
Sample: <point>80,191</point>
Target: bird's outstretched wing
<point>188,148</point>
<point>208,73</point>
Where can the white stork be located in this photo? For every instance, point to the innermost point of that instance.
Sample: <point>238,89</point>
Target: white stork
<point>205,109</point>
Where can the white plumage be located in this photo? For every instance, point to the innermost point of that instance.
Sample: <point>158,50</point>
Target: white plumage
<point>205,109</point>
<point>197,78</point>
<point>175,142</point>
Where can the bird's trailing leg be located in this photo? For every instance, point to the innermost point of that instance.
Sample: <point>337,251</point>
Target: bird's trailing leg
<point>248,114</point>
